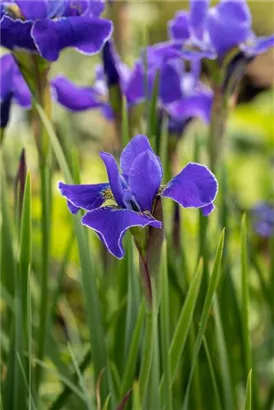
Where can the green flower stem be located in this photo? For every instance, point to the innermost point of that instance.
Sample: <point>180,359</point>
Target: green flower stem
<point>148,348</point>
<point>42,93</point>
<point>45,224</point>
<point>2,134</point>
<point>217,127</point>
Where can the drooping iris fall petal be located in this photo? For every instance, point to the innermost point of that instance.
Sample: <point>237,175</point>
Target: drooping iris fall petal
<point>111,224</point>
<point>194,187</point>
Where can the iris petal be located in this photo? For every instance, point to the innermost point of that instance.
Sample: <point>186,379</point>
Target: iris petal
<point>198,105</point>
<point>73,97</point>
<point>21,91</point>
<point>179,26</point>
<point>170,84</point>
<point>198,15</point>
<point>194,187</point>
<point>87,197</point>
<point>7,67</point>
<point>111,224</point>
<point>86,34</point>
<point>113,177</point>
<point>206,210</point>
<point>136,146</point>
<point>33,10</point>
<point>145,178</point>
<point>16,34</point>
<point>260,45</point>
<point>229,24</point>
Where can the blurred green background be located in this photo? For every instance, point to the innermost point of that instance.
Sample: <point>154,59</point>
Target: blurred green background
<point>250,144</point>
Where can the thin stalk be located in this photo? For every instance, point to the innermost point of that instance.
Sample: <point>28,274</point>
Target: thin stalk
<point>42,142</point>
<point>150,336</point>
<point>45,223</point>
<point>165,330</point>
<point>217,127</point>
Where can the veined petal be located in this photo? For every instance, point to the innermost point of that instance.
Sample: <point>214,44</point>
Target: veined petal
<point>21,91</point>
<point>229,24</point>
<point>145,178</point>
<point>7,69</point>
<point>113,177</point>
<point>136,146</point>
<point>198,16</point>
<point>16,34</point>
<point>86,34</point>
<point>194,187</point>
<point>178,27</point>
<point>111,224</point>
<point>33,10</point>
<point>73,97</point>
<point>87,197</point>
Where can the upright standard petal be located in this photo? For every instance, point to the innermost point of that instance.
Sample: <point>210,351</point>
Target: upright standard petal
<point>73,97</point>
<point>194,187</point>
<point>178,27</point>
<point>229,25</point>
<point>86,34</point>
<point>34,10</point>
<point>87,197</point>
<point>111,224</point>
<point>136,146</point>
<point>145,179</point>
<point>198,16</point>
<point>113,177</point>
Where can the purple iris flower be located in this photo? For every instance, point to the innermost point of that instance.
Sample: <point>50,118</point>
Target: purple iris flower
<point>263,219</point>
<point>181,95</point>
<point>13,86</point>
<point>81,98</point>
<point>209,32</point>
<point>195,101</point>
<point>46,27</point>
<point>134,191</point>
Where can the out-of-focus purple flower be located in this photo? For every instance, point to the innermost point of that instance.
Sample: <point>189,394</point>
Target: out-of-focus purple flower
<point>195,101</point>
<point>217,30</point>
<point>46,27</point>
<point>262,215</point>
<point>12,86</point>
<point>81,98</point>
<point>134,190</point>
<point>155,59</point>
<point>181,95</point>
